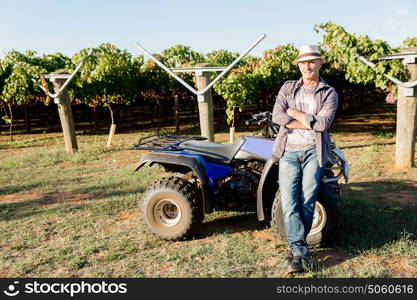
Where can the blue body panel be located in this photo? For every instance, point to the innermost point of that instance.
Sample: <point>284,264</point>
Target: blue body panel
<point>259,146</point>
<point>213,170</point>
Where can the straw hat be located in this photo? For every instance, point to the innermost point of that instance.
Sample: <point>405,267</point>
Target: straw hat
<point>309,52</point>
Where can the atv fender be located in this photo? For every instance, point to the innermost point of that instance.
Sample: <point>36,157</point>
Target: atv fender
<point>182,162</point>
<point>270,177</point>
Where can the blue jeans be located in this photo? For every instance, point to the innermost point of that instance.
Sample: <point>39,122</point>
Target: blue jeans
<point>299,183</point>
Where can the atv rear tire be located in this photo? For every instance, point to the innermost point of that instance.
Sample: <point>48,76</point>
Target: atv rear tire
<point>172,208</point>
<point>325,223</point>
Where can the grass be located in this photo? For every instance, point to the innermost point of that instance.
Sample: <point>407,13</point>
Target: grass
<point>65,216</point>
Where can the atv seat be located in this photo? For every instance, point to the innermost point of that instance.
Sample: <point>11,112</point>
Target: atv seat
<point>214,152</point>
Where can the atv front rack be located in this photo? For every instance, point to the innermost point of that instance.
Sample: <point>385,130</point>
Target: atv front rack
<point>168,142</point>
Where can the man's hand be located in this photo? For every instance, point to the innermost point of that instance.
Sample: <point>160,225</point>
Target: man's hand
<point>294,113</point>
<point>294,124</point>
<point>299,116</point>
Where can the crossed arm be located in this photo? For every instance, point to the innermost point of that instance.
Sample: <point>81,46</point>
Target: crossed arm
<point>299,122</point>
<point>294,119</point>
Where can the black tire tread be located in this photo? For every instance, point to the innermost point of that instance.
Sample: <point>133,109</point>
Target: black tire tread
<point>191,193</point>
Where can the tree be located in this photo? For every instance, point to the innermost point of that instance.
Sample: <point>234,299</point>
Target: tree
<point>277,66</point>
<point>158,86</point>
<point>108,78</point>
<point>180,56</point>
<point>410,42</point>
<point>257,79</point>
<point>221,58</point>
<point>343,51</point>
<point>18,88</point>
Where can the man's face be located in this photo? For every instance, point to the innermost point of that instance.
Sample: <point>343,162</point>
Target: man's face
<point>310,68</point>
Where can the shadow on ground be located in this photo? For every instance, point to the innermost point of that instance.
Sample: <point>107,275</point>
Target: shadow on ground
<point>19,206</point>
<point>233,224</point>
<point>375,214</point>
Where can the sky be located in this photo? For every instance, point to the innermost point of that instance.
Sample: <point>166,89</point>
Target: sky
<point>49,26</point>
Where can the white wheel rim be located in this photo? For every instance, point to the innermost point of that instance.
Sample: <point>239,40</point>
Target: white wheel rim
<point>167,212</point>
<point>319,219</point>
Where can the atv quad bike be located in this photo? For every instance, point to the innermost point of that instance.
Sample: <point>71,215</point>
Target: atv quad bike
<point>242,176</point>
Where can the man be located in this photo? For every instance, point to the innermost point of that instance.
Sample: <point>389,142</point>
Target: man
<point>304,109</point>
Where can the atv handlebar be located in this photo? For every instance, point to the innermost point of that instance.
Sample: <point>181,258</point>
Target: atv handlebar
<point>271,128</point>
<point>259,118</point>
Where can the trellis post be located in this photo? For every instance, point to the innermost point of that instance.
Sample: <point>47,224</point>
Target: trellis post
<point>65,111</point>
<point>205,104</point>
<point>60,82</point>
<point>406,116</point>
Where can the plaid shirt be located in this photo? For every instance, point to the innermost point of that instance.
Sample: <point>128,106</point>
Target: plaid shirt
<point>326,100</point>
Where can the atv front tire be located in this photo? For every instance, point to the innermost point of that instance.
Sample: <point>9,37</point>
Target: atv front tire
<point>172,208</point>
